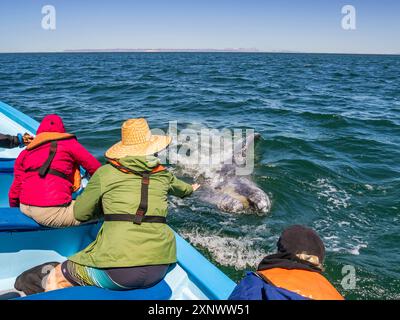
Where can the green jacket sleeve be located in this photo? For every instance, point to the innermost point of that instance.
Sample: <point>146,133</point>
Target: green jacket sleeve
<point>88,204</point>
<point>179,188</point>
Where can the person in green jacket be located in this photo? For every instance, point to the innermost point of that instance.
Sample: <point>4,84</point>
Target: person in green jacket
<point>134,247</point>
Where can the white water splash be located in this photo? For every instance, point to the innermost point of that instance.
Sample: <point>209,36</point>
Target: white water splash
<point>352,246</point>
<point>239,253</point>
<point>354,250</point>
<point>369,187</point>
<point>336,199</point>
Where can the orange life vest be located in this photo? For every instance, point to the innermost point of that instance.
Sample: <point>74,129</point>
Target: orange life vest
<point>308,284</point>
<point>52,138</point>
<point>46,137</point>
<point>123,169</point>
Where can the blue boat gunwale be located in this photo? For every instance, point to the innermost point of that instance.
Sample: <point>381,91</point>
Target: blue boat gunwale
<point>19,117</point>
<point>211,280</point>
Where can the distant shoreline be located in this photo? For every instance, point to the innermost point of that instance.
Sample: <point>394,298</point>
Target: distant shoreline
<point>244,50</point>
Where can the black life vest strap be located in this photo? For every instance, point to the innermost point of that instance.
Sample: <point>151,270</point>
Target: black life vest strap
<point>144,192</point>
<point>44,169</point>
<point>144,198</point>
<point>131,218</point>
<point>53,172</point>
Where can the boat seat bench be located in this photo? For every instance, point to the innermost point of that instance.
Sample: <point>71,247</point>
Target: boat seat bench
<point>12,219</point>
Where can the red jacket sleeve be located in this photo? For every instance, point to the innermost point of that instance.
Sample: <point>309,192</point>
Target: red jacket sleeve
<point>19,172</point>
<point>84,158</point>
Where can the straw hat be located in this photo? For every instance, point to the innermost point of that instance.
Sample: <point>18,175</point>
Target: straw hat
<point>137,140</point>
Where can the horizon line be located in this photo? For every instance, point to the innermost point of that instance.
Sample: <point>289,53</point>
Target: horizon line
<point>193,50</point>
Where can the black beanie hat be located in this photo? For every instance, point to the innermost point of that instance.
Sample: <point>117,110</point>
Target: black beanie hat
<point>299,239</point>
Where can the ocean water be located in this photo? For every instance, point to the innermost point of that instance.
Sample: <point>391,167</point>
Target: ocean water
<point>329,156</point>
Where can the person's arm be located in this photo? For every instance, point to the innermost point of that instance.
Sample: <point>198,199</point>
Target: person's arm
<point>179,188</point>
<point>19,172</point>
<point>9,142</point>
<point>88,204</point>
<point>84,158</point>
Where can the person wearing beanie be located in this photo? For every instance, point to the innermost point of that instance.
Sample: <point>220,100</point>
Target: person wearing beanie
<point>293,273</point>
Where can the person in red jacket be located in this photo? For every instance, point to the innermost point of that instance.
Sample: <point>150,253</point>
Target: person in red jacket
<point>46,174</point>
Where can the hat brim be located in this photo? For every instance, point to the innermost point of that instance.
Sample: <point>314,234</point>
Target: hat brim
<point>155,144</point>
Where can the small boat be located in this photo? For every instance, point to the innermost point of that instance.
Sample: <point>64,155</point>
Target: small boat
<point>25,244</point>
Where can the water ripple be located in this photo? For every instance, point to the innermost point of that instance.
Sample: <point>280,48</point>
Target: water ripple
<point>329,156</point>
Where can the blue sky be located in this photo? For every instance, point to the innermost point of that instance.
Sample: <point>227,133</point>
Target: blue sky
<point>268,25</point>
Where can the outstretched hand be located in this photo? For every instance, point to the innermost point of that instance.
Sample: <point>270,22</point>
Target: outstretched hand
<point>27,138</point>
<point>195,186</point>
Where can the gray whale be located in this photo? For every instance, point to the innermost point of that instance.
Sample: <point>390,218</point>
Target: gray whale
<point>227,190</point>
